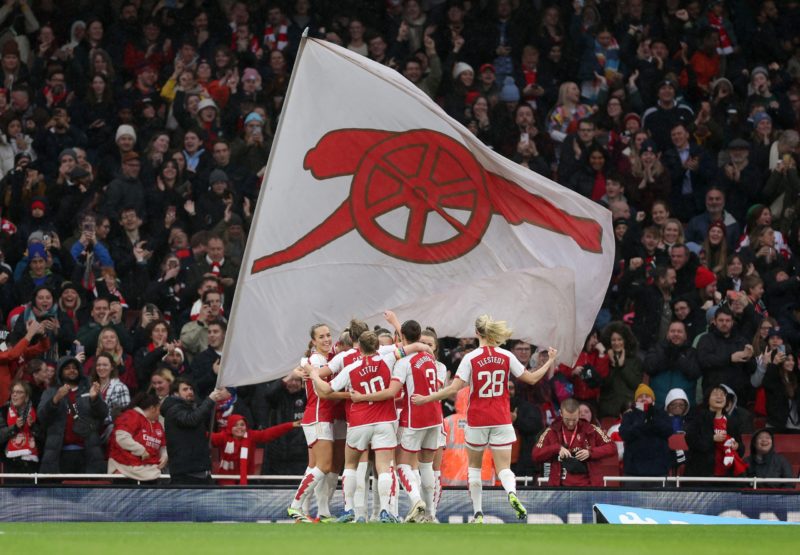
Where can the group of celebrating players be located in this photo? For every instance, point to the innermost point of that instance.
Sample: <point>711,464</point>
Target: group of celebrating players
<point>380,395</point>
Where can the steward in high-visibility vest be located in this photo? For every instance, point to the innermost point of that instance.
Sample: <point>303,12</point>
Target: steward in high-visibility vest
<point>454,457</point>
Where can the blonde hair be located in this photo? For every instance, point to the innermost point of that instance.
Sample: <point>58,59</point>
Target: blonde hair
<point>493,332</point>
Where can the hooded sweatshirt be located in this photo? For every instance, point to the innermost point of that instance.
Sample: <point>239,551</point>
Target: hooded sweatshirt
<point>677,420</point>
<point>769,465</point>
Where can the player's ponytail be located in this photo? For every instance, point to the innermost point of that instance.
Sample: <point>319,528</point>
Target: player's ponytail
<point>493,332</point>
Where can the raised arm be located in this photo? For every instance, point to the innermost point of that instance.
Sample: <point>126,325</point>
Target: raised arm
<point>531,378</point>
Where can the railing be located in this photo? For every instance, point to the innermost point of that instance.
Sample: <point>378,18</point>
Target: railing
<point>677,480</point>
<point>522,480</point>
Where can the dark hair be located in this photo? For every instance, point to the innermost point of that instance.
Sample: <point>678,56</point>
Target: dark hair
<point>723,309</point>
<point>145,400</point>
<point>204,298</point>
<point>218,322</point>
<point>411,330</point>
<point>174,386</point>
<point>152,325</point>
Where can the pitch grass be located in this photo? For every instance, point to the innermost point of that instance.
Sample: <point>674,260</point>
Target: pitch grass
<point>386,539</point>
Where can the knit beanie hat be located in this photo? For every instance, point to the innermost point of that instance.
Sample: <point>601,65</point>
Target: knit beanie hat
<point>123,130</point>
<point>461,67</point>
<point>704,277</point>
<point>509,92</point>
<point>644,389</point>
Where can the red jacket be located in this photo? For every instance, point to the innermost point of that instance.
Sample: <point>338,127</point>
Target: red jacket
<point>587,436</point>
<point>149,435</point>
<point>581,391</point>
<point>232,450</point>
<point>9,359</point>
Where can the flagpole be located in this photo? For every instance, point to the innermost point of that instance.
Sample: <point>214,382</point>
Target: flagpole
<point>243,271</point>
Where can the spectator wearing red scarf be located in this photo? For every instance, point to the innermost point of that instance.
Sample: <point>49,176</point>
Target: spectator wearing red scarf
<point>237,446</point>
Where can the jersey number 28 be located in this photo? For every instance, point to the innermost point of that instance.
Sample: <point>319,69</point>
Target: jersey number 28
<point>491,383</point>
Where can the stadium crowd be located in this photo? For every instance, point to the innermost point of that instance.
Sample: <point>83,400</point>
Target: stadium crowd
<point>134,136</point>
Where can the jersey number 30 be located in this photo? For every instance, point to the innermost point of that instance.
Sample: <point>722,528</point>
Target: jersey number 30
<point>492,383</point>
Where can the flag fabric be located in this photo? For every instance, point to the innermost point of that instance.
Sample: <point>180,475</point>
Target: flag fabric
<point>374,199</point>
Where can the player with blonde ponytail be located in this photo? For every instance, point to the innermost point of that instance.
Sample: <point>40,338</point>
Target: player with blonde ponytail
<point>487,370</point>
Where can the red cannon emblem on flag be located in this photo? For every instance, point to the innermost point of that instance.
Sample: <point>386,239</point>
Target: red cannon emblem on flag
<point>424,172</point>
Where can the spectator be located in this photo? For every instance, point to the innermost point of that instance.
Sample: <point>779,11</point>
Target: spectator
<point>662,118</point>
<point>715,212</point>
<point>20,431</point>
<point>780,387</point>
<point>677,406</point>
<point>279,402</point>
<point>194,335</point>
<point>690,168</point>
<point>573,448</point>
<point>72,413</point>
<point>724,356</point>
<point>217,264</point>
<point>186,425</point>
<point>114,392</point>
<point>715,441</point>
<point>625,369</point>
<point>137,448</point>
<point>100,318</point>
<point>672,363</point>
<point>645,430</point>
<point>237,446</point>
<point>590,370</point>
<point>764,462</point>
<point>652,309</point>
<point>205,366</point>
<point>567,113</point>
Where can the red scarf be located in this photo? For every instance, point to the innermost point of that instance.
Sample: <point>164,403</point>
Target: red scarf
<point>726,460</point>
<point>216,268</point>
<point>235,452</point>
<point>22,445</point>
<point>599,188</point>
<point>725,44</point>
<point>276,39</point>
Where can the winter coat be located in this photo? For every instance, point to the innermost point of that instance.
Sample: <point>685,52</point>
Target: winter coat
<point>700,438</point>
<point>619,386</point>
<point>670,366</point>
<point>771,465</point>
<point>778,401</point>
<point>645,434</point>
<point>91,415</point>
<point>186,426</point>
<point>588,436</point>
<point>714,355</point>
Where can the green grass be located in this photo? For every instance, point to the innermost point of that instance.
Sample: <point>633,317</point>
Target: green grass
<point>377,539</point>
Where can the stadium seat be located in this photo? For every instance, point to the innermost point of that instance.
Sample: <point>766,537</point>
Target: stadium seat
<point>610,467</point>
<point>607,422</point>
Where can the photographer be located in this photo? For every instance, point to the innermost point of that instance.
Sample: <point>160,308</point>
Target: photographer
<point>573,448</point>
<point>645,430</point>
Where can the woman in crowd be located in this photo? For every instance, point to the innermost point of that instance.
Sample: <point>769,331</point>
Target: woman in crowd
<point>108,342</point>
<point>114,392</point>
<point>20,431</point>
<point>625,369</point>
<point>715,441</point>
<point>566,114</point>
<point>780,385</point>
<point>148,357</point>
<point>714,251</point>
<point>647,181</point>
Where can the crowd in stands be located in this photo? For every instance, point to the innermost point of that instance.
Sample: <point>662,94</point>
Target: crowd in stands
<point>134,136</point>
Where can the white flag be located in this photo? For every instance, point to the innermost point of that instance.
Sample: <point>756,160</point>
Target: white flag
<point>375,199</point>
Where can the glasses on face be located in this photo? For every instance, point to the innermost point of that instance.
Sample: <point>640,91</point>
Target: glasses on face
<point>18,392</point>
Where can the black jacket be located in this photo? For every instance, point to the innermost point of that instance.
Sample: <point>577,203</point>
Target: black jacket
<point>777,398</point>
<point>645,434</point>
<point>272,405</point>
<point>700,438</point>
<point>202,371</point>
<point>53,417</point>
<point>186,427</point>
<point>714,355</point>
<point>771,465</point>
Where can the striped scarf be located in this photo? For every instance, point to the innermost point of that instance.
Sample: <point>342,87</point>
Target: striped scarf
<point>276,40</point>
